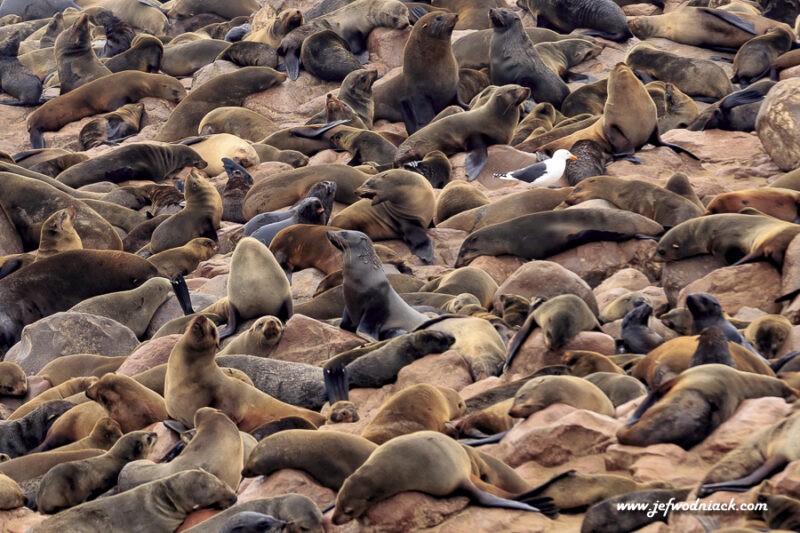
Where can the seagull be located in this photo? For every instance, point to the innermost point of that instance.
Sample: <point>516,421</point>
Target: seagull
<point>544,173</point>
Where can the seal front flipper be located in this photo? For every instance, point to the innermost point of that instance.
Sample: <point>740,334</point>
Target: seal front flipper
<point>743,484</point>
<point>231,323</point>
<point>317,131</point>
<point>650,400</point>
<point>418,241</point>
<point>292,63</point>
<point>491,439</point>
<point>477,157</point>
<point>336,383</point>
<point>12,265</point>
<point>520,337</point>
<point>731,19</point>
<point>655,140</point>
<point>417,112</point>
<point>182,294</point>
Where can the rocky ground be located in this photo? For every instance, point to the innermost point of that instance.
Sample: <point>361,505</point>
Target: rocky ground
<point>547,443</point>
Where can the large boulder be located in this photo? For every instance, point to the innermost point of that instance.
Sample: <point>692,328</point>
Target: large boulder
<point>778,124</point>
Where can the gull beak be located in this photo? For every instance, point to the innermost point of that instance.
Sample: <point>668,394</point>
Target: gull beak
<point>573,157</point>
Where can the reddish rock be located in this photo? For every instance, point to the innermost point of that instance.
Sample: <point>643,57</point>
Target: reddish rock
<point>555,436</point>
<point>596,261</point>
<point>211,71</point>
<point>216,266</point>
<point>545,279</point>
<point>629,279</point>
<point>304,284</point>
<point>216,286</point>
<point>476,518</point>
<point>310,341</point>
<point>665,462</point>
<point>229,235</point>
<point>777,124</point>
<point>678,274</point>
<point>498,267</point>
<point>786,482</point>
<point>20,520</point>
<point>533,354</point>
<point>284,482</point>
<point>286,101</point>
<point>753,284</point>
<point>386,48</point>
<point>446,370</point>
<point>166,440</point>
<point>70,333</point>
<point>149,354</point>
<point>688,521</point>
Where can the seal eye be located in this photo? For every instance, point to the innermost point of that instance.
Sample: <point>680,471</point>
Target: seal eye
<point>662,251</point>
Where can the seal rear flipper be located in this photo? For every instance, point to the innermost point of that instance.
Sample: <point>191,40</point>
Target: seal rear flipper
<point>182,294</point>
<point>519,339</point>
<point>292,63</point>
<point>37,138</point>
<point>336,383</point>
<point>776,365</point>
<point>731,19</point>
<point>316,132</point>
<point>490,439</point>
<point>650,401</point>
<point>477,157</point>
<point>655,140</point>
<point>743,484</point>
<point>618,37</point>
<point>231,322</point>
<point>490,500</point>
<point>722,59</point>
<point>173,452</point>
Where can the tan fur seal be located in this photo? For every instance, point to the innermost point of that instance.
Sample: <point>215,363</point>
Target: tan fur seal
<point>562,55</point>
<point>356,93</point>
<point>604,18</point>
<point>471,280</point>
<point>364,146</point>
<point>134,308</point>
<point>184,259</point>
<point>277,27</point>
<point>224,90</point>
<point>11,494</point>
<point>556,231</point>
<point>73,425</point>
<point>215,448</point>
<point>109,127</point>
<point>665,207</point>
<point>238,121</point>
<point>700,26</point>
<point>735,238</point>
<point>306,245</point>
<point>685,410</point>
<point>695,77</point>
<point>457,197</point>
<point>754,459</point>
<point>201,217</point>
<point>514,59</point>
<point>100,96</point>
<point>161,505</point>
<point>225,9</point>
<point>259,339</point>
<point>127,401</point>
<point>13,381</point>
<point>146,17</point>
<point>137,161</point>
<point>214,148</point>
<point>186,58</point>
<point>48,286</point>
<point>76,61</point>
<point>473,131</point>
<point>417,408</point>
<point>62,391</point>
<point>299,511</point>
<point>372,307</point>
<point>541,392</point>
<point>329,457</point>
<point>67,367</point>
<point>145,54</point>
<point>429,81</point>
<point>194,380</point>
<point>59,234</point>
<point>581,363</point>
<point>104,434</point>
<point>776,202</point>
<point>397,203</point>
<point>285,188</point>
<point>755,58</point>
<point>620,388</point>
<point>434,464</point>
<point>49,161</point>
<point>69,484</point>
<point>768,334</point>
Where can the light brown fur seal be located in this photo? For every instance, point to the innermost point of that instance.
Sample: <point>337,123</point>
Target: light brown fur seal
<point>541,392</point>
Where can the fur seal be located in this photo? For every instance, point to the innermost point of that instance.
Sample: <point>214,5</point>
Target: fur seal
<point>372,307</point>
<point>110,127</point>
<point>17,79</point>
<point>637,337</point>
<point>243,123</point>
<point>435,166</point>
<point>663,206</point>
<point>226,9</point>
<point>776,202</point>
<point>706,312</point>
<point>133,405</point>
<point>239,182</point>
<point>298,511</point>
<point>118,33</point>
<point>259,339</point>
<point>49,161</point>
<point>439,467</point>
<point>303,246</point>
<point>100,96</point>
<point>224,90</point>
<point>685,410</point>
<point>214,148</point>
<point>194,380</point>
<point>70,484</point>
<point>615,131</point>
<point>76,62</point>
<point>215,448</point>
<point>277,27</point>
<point>457,197</point>
<point>755,58</point>
<point>619,388</point>
<point>768,334</point>
<point>186,58</point>
<point>329,457</point>
<point>47,286</point>
<point>327,56</point>
<point>735,112</point>
<point>555,232</point>
<point>249,54</point>
<point>356,93</point>
<point>695,77</point>
<point>605,516</point>
<point>737,238</point>
<point>11,494</point>
<point>184,259</point>
<point>18,437</point>
<point>514,59</point>
<point>420,407</point>
<point>712,348</point>
<point>67,367</point>
<point>201,217</point>
<point>604,18</point>
<point>581,363</point>
<point>138,161</point>
<point>13,381</point>
<point>429,80</point>
<point>161,505</point>
<point>145,54</point>
<point>35,10</point>
<point>364,146</point>
<point>473,131</point>
<point>541,392</point>
<point>308,211</point>
<point>397,203</point>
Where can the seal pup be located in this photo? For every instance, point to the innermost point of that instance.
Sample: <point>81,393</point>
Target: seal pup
<point>429,80</point>
<point>70,484</point>
<point>434,464</point>
<point>109,128</point>
<point>637,337</point>
<point>514,59</point>
<point>158,506</point>
<point>372,307</point>
<point>194,380</point>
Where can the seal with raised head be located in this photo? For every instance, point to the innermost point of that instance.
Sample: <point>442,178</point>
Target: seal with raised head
<point>100,96</point>
<point>372,307</point>
<point>434,464</point>
<point>195,380</point>
<point>70,484</point>
<point>184,259</point>
<point>429,80</point>
<point>17,79</point>
<point>77,64</point>
<point>145,54</point>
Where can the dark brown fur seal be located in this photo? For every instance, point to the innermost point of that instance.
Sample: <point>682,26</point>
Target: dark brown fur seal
<point>110,127</point>
<point>604,18</point>
<point>327,56</point>
<point>429,81</point>
<point>224,90</point>
<point>17,79</point>
<point>145,54</point>
<point>18,437</point>
<point>100,96</point>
